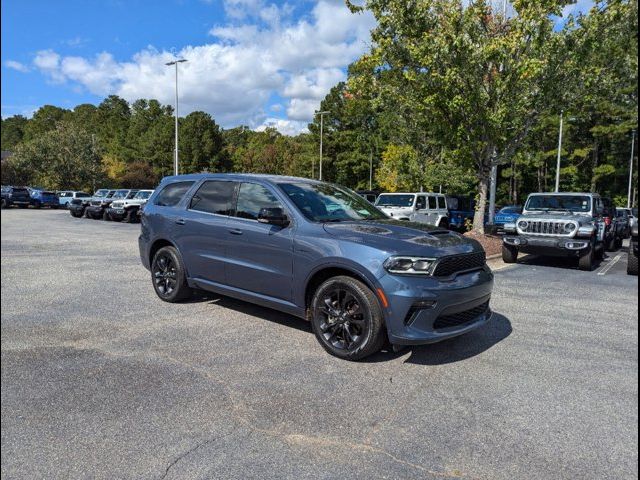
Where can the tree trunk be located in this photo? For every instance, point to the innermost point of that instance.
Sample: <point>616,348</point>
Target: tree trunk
<point>595,164</point>
<point>515,184</point>
<point>483,189</point>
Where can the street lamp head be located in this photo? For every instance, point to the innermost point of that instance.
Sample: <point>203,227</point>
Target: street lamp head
<point>322,112</point>
<point>180,60</point>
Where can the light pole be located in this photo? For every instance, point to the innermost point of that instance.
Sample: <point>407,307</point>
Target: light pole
<point>559,153</point>
<point>322,114</point>
<point>633,142</point>
<point>175,158</point>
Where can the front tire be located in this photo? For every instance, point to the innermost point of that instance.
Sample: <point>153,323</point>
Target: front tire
<point>632,264</point>
<point>509,254</point>
<point>168,276</point>
<point>586,260</point>
<point>346,318</point>
<point>105,216</point>
<point>37,205</point>
<point>4,204</point>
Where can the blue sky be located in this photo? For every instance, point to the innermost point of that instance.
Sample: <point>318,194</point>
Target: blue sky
<point>252,62</point>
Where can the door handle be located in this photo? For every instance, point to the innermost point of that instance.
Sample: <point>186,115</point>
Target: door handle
<point>235,231</point>
<point>180,221</point>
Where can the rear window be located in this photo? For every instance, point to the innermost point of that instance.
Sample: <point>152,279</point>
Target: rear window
<point>171,195</point>
<point>214,196</point>
<point>82,195</point>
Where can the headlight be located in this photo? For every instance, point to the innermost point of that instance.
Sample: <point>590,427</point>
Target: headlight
<point>522,224</point>
<point>409,265</point>
<point>569,227</point>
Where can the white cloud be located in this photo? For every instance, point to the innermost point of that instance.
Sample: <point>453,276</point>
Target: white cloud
<point>259,53</point>
<point>13,65</point>
<point>286,127</point>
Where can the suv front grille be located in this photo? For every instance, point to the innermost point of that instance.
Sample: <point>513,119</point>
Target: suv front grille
<point>460,318</point>
<point>546,227</point>
<point>96,203</point>
<point>448,266</point>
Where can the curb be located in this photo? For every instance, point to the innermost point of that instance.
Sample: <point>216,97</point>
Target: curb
<point>495,255</point>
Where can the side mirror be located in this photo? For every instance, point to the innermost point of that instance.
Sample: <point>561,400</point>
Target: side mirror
<point>273,216</point>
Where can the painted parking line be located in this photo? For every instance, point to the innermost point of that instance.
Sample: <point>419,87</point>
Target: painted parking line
<point>610,265</point>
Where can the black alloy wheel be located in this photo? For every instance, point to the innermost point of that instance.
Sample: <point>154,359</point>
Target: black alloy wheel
<point>167,274</point>
<point>347,319</point>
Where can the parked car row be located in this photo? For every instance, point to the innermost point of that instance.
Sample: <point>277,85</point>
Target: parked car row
<point>112,205</point>
<point>38,197</point>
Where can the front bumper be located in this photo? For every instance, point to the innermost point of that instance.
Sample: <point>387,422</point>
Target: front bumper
<point>117,213</point>
<point>19,202</point>
<point>551,246</point>
<point>94,211</point>
<point>427,310</point>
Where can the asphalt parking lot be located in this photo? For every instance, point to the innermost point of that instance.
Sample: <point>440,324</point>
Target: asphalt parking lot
<point>100,379</point>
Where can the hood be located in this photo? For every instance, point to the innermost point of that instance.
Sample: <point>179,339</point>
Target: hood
<point>393,209</point>
<point>581,219</point>
<point>403,238</point>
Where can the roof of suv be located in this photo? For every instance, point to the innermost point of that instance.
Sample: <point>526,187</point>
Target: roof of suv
<point>590,194</point>
<point>239,176</point>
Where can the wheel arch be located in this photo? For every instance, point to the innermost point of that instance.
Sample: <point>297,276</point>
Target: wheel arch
<point>324,272</point>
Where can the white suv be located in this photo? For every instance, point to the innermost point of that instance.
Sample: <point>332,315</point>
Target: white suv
<point>127,209</point>
<point>430,208</point>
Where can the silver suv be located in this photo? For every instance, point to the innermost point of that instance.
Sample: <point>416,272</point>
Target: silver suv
<point>559,224</point>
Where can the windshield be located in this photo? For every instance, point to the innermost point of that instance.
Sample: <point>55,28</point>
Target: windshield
<point>101,193</point>
<point>569,203</point>
<point>143,195</point>
<point>395,200</point>
<point>327,203</point>
<point>510,210</point>
<point>120,194</point>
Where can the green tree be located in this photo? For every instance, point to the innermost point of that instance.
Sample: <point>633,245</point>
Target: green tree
<point>12,131</point>
<point>201,144</point>
<point>63,158</point>
<point>469,80</point>
<point>44,120</point>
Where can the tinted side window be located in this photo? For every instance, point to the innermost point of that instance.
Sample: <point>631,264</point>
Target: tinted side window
<point>432,203</point>
<point>253,197</point>
<point>171,195</point>
<point>441,203</point>
<point>421,203</point>
<point>214,196</point>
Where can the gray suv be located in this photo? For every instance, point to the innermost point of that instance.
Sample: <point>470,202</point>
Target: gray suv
<point>560,224</point>
<point>317,251</point>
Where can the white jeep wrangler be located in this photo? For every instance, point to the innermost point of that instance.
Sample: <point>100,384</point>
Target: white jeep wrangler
<point>127,209</point>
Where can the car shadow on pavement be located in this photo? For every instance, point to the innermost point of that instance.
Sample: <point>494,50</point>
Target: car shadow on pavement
<point>448,351</point>
<point>247,308</point>
<point>560,262</point>
<point>455,349</point>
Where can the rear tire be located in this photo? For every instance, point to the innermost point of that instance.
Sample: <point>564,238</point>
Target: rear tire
<point>509,254</point>
<point>347,319</point>
<point>611,244</point>
<point>37,205</point>
<point>168,276</point>
<point>586,260</point>
<point>632,263</point>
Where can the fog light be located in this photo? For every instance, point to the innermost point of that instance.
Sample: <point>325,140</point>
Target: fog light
<point>424,304</point>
